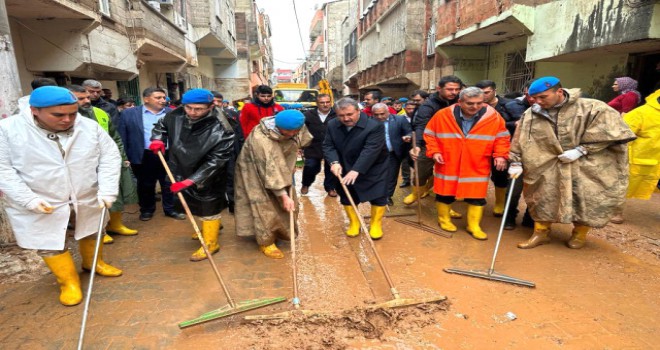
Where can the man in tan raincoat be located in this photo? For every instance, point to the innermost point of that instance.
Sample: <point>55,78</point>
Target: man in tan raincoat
<point>263,177</point>
<point>572,154</point>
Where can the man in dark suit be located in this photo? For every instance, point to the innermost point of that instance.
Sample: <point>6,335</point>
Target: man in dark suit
<point>355,147</point>
<point>317,121</point>
<point>135,126</point>
<point>397,133</point>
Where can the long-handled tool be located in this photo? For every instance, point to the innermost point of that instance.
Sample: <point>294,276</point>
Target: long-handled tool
<point>491,274</point>
<point>232,308</point>
<point>397,301</point>
<point>99,239</point>
<point>418,224</point>
<point>296,300</point>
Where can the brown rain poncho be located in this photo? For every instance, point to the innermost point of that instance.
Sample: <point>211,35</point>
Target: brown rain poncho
<point>264,169</point>
<point>587,190</point>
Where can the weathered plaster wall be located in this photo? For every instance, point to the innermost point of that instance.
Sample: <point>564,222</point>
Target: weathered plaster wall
<point>578,25</point>
<point>384,41</point>
<point>594,76</point>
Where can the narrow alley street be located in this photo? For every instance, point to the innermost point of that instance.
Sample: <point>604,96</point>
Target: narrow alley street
<point>604,296</point>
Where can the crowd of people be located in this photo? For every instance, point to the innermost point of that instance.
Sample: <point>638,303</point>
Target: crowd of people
<point>573,159</point>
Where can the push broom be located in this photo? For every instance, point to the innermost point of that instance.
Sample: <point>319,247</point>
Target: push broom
<point>233,307</point>
<point>396,301</point>
<point>418,224</point>
<point>296,299</point>
<point>491,274</point>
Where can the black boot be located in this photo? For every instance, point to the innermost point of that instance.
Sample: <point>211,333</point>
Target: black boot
<point>527,220</point>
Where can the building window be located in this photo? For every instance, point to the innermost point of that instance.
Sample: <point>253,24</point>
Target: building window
<point>350,50</point>
<point>516,71</point>
<point>430,41</point>
<point>104,7</point>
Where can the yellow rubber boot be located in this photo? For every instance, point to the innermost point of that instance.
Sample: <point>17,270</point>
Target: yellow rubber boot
<point>271,251</point>
<point>444,217</point>
<point>540,235</point>
<point>500,201</point>
<point>376,224</point>
<point>354,223</point>
<point>116,226</point>
<point>87,246</point>
<point>64,270</point>
<point>454,214</point>
<point>412,197</point>
<point>474,215</point>
<point>107,239</point>
<point>194,234</point>
<point>579,237</point>
<point>210,231</point>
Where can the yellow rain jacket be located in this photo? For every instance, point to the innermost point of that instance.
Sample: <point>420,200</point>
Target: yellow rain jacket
<point>644,152</point>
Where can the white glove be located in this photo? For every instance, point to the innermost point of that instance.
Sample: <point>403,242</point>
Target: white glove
<point>571,155</point>
<point>106,201</point>
<point>515,170</point>
<point>40,206</point>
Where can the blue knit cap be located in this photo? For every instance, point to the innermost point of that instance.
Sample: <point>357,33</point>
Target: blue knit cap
<point>290,119</point>
<point>542,84</point>
<point>197,96</point>
<point>48,96</point>
<point>403,100</point>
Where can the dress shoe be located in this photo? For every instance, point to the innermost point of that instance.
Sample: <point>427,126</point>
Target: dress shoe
<point>332,193</point>
<point>175,215</point>
<point>304,190</point>
<point>146,216</point>
<point>404,184</point>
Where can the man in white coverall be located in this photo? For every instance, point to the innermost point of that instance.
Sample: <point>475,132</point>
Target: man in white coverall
<point>51,162</point>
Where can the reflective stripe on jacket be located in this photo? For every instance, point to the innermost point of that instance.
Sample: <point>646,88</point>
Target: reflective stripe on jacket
<point>467,158</point>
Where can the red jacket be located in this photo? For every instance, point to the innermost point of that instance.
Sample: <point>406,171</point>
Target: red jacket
<point>467,158</point>
<point>625,103</point>
<point>367,111</point>
<point>252,113</point>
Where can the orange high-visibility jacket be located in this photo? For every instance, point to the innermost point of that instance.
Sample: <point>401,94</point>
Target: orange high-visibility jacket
<point>467,158</point>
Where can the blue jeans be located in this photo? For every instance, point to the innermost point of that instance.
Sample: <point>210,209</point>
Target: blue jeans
<point>312,168</point>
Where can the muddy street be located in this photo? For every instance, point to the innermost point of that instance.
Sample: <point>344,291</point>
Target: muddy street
<point>604,296</point>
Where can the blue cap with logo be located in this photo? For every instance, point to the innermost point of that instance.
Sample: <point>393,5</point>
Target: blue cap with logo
<point>542,84</point>
<point>49,96</point>
<point>290,119</point>
<point>197,96</point>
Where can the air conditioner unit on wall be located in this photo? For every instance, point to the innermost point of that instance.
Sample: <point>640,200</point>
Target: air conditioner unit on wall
<point>166,2</point>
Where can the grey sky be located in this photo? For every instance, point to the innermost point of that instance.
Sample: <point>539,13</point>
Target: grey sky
<point>285,39</point>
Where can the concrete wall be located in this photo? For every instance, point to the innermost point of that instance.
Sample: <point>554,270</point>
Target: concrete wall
<point>578,25</point>
<point>594,76</point>
<point>351,68</point>
<point>334,49</point>
<point>384,39</point>
<point>25,76</point>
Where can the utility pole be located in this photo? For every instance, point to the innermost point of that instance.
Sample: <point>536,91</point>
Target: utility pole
<point>10,91</point>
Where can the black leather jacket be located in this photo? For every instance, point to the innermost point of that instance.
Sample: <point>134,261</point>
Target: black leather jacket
<point>198,150</point>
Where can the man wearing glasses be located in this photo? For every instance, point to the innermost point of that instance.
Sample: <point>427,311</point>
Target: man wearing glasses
<point>201,143</point>
<point>135,126</point>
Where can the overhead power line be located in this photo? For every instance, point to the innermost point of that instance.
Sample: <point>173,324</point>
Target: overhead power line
<point>302,42</point>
